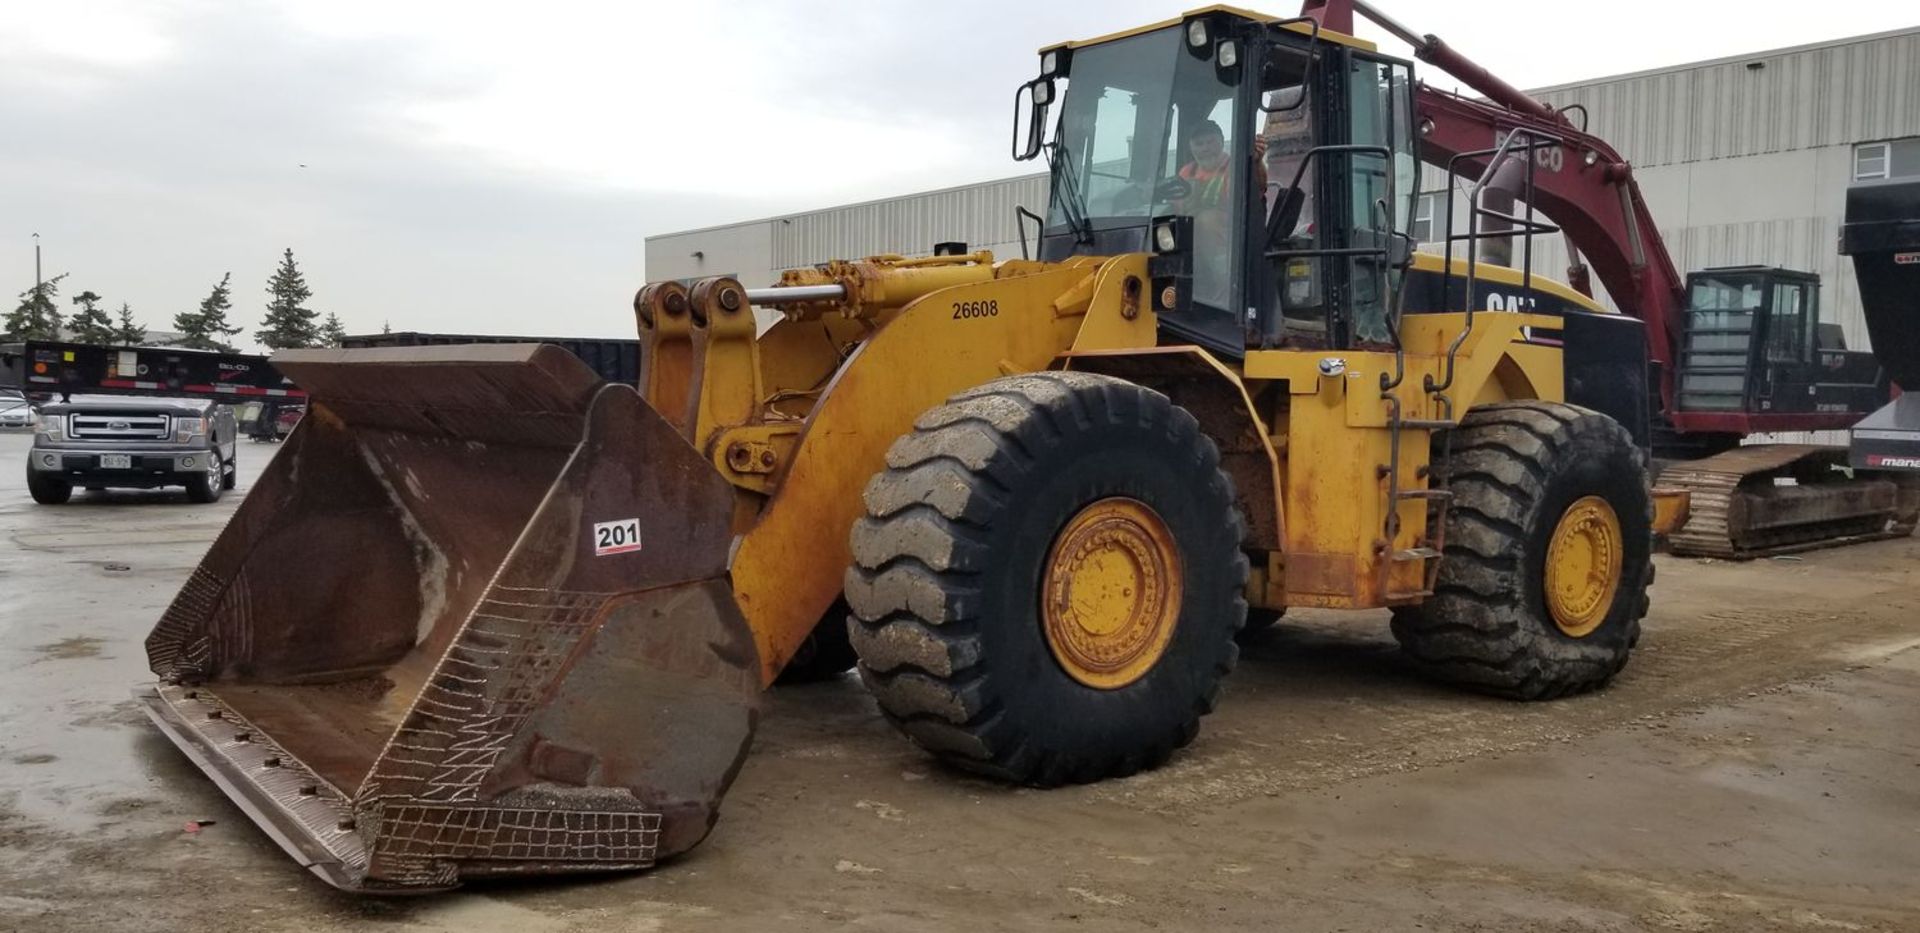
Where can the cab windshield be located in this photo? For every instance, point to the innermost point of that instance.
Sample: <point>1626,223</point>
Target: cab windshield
<point>1147,129</point>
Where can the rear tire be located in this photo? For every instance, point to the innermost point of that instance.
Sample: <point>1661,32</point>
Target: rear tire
<point>970,620</point>
<point>826,654</point>
<point>1526,475</point>
<point>1259,621</point>
<point>207,487</point>
<point>48,490</point>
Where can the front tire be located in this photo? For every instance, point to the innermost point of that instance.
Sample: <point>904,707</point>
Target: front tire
<point>1049,578</point>
<point>1549,546</point>
<point>207,486</point>
<point>48,490</point>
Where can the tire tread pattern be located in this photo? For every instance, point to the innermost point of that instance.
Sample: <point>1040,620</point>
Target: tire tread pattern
<point>914,587</point>
<point>1479,628</point>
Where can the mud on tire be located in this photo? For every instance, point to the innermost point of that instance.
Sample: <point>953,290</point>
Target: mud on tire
<point>946,583</point>
<point>1514,469</point>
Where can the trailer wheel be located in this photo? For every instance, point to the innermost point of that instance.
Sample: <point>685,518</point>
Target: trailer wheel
<point>1548,554</point>
<point>48,490</point>
<point>1049,578</point>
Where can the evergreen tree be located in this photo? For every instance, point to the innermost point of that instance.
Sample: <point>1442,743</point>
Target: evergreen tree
<point>289,322</point>
<point>333,333</point>
<point>91,325</point>
<point>207,328</point>
<point>129,332</point>
<point>37,317</point>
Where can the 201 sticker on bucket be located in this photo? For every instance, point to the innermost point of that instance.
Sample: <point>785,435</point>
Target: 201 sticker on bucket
<point>618,537</point>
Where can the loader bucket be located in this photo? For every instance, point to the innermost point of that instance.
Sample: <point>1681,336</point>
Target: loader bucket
<point>474,620</point>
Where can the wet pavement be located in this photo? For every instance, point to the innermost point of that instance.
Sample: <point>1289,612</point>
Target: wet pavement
<point>79,584</point>
<point>1756,767</point>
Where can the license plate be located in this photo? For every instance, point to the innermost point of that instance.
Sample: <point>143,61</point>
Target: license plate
<point>116,461</point>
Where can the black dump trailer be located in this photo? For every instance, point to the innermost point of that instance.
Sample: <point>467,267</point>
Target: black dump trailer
<point>45,367</point>
<point>614,359</point>
<point>1881,233</point>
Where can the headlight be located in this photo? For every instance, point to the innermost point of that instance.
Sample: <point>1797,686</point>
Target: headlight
<point>53,426</point>
<point>1197,33</point>
<point>184,428</point>
<point>1049,63</point>
<point>1164,239</point>
<point>1229,54</point>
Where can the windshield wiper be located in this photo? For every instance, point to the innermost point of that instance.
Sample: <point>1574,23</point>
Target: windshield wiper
<point>1071,205</point>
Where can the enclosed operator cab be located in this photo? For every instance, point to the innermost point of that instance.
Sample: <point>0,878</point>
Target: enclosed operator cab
<point>1755,346</point>
<point>1269,167</point>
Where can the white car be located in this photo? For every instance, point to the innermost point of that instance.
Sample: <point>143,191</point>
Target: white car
<point>15,411</point>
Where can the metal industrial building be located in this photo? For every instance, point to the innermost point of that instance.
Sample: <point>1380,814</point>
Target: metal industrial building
<point>1743,160</point>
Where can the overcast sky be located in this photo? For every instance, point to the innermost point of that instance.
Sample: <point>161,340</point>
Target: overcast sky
<point>495,167</point>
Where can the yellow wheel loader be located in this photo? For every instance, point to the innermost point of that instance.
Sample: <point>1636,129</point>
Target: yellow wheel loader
<point>489,615</point>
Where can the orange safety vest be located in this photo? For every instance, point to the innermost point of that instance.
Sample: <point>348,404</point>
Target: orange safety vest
<point>1209,185</point>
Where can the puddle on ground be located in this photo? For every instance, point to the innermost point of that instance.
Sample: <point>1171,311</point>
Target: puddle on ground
<point>69,649</point>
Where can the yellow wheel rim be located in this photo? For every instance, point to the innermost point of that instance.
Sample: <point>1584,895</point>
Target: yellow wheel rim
<point>1583,566</point>
<point>1110,598</point>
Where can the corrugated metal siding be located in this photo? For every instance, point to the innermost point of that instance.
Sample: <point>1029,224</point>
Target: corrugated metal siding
<point>980,215</point>
<point>1830,96</point>
<point>1677,124</point>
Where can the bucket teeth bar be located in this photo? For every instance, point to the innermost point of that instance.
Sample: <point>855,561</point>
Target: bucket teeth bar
<point>474,620</point>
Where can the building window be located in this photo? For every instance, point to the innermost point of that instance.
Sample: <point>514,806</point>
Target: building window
<point>1870,161</point>
<point>1423,218</point>
<point>1894,158</point>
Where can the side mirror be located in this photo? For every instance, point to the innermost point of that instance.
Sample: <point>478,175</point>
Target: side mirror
<point>1400,247</point>
<point>1030,105</point>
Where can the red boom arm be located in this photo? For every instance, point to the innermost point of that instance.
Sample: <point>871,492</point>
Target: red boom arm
<point>1582,185</point>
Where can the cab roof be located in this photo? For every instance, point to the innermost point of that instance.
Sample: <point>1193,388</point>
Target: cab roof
<point>1243,13</point>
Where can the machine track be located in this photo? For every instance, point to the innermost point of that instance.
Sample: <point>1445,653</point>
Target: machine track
<point>1740,512</point>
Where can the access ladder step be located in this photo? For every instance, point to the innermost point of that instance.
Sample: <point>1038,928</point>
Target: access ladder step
<point>1427,424</point>
<point>1441,495</point>
<point>1415,553</point>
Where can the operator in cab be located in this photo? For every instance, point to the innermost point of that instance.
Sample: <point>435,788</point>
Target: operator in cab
<point>1209,201</point>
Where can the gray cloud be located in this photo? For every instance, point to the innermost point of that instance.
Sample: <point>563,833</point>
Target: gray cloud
<point>148,186</point>
<point>149,181</point>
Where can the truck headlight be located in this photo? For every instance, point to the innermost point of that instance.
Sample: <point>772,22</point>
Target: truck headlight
<point>53,426</point>
<point>185,429</point>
